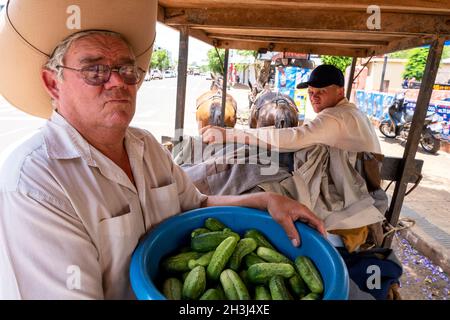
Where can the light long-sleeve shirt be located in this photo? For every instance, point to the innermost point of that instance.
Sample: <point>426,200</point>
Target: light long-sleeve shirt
<point>343,126</point>
<point>70,218</point>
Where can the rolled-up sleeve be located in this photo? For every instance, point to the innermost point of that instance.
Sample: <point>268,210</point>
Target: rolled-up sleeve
<point>45,251</point>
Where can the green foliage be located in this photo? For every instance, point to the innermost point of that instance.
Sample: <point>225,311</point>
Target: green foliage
<point>415,66</point>
<point>214,63</point>
<point>402,54</point>
<point>339,62</point>
<point>253,53</point>
<point>160,60</point>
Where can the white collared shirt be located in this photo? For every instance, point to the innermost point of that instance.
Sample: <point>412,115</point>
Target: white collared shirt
<point>343,126</point>
<point>70,218</point>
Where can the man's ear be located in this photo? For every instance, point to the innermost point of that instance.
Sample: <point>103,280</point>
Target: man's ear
<point>50,83</point>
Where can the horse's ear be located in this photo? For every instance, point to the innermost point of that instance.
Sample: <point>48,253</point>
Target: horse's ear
<point>250,85</point>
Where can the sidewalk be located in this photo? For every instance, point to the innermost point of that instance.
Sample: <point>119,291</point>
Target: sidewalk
<point>428,205</point>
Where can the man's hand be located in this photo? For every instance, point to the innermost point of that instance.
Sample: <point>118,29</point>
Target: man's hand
<point>283,210</point>
<point>213,134</point>
<point>286,211</point>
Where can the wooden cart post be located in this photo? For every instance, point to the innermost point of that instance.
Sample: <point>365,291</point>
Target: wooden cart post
<point>224,87</point>
<point>351,78</point>
<point>408,165</point>
<point>181,83</point>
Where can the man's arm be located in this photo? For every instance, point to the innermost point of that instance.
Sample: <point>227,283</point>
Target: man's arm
<point>322,130</point>
<point>283,210</point>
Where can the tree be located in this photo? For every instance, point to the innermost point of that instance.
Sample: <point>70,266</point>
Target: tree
<point>160,59</point>
<point>339,62</point>
<point>214,63</point>
<point>415,66</point>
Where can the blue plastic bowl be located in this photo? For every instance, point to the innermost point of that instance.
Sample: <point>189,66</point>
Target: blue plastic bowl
<point>171,234</point>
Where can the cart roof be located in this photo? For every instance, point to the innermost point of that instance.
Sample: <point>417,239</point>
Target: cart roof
<point>338,27</point>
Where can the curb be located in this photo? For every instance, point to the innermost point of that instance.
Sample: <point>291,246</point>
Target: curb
<point>428,247</point>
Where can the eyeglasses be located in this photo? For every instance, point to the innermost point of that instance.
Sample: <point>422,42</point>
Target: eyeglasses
<point>99,74</point>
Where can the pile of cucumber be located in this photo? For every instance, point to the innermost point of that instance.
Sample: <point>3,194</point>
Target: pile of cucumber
<point>220,265</point>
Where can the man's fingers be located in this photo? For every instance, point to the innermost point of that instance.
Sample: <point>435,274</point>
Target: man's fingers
<point>202,130</point>
<point>288,225</point>
<point>311,219</point>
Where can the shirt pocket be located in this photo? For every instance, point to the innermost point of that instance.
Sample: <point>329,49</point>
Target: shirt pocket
<point>163,202</point>
<point>119,236</point>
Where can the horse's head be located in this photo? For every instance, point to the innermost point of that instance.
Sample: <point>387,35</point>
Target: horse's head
<point>217,83</point>
<point>255,90</point>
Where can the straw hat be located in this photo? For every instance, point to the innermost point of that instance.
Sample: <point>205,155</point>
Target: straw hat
<point>30,31</point>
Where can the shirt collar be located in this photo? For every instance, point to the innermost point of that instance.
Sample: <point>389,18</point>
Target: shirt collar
<point>343,101</point>
<point>62,141</point>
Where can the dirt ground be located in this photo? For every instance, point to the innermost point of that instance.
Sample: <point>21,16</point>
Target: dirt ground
<point>421,279</point>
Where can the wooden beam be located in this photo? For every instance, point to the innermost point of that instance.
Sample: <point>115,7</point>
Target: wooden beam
<point>408,168</point>
<point>282,47</point>
<point>161,15</point>
<point>201,35</point>
<point>390,23</point>
<point>305,41</point>
<point>181,83</point>
<point>401,44</point>
<point>306,34</point>
<point>425,6</point>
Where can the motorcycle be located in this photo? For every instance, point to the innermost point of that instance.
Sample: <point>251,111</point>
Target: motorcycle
<point>397,123</point>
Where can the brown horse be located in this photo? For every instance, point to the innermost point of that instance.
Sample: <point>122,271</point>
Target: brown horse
<point>209,107</point>
<point>268,108</point>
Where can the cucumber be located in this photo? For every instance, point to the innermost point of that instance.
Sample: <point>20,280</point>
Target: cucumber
<point>309,274</point>
<point>195,283</point>
<point>233,286</point>
<point>212,294</point>
<point>261,273</point>
<point>252,258</point>
<point>210,240</point>
<point>243,248</point>
<point>214,224</point>
<point>259,238</point>
<point>202,261</point>
<point>172,288</point>
<point>261,293</point>
<point>220,257</point>
<point>271,255</point>
<point>198,231</point>
<point>243,275</point>
<point>298,286</point>
<point>278,289</point>
<point>179,262</point>
<point>311,296</point>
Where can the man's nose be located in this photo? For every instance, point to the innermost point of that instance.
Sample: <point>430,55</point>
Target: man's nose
<point>115,80</point>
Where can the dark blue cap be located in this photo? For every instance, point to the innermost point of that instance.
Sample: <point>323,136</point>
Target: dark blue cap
<point>323,76</point>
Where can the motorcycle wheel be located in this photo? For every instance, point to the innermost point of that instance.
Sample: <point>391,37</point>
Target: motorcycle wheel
<point>385,129</point>
<point>429,143</point>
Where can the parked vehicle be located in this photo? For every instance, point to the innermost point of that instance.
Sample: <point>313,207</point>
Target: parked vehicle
<point>156,74</point>
<point>397,122</point>
<point>169,74</point>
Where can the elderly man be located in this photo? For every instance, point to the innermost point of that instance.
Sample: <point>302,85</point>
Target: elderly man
<point>338,123</point>
<point>76,197</point>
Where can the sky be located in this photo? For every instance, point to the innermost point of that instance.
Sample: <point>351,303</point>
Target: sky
<point>169,39</point>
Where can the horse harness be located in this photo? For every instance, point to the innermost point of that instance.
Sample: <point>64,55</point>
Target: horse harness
<point>278,100</point>
<point>217,95</point>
